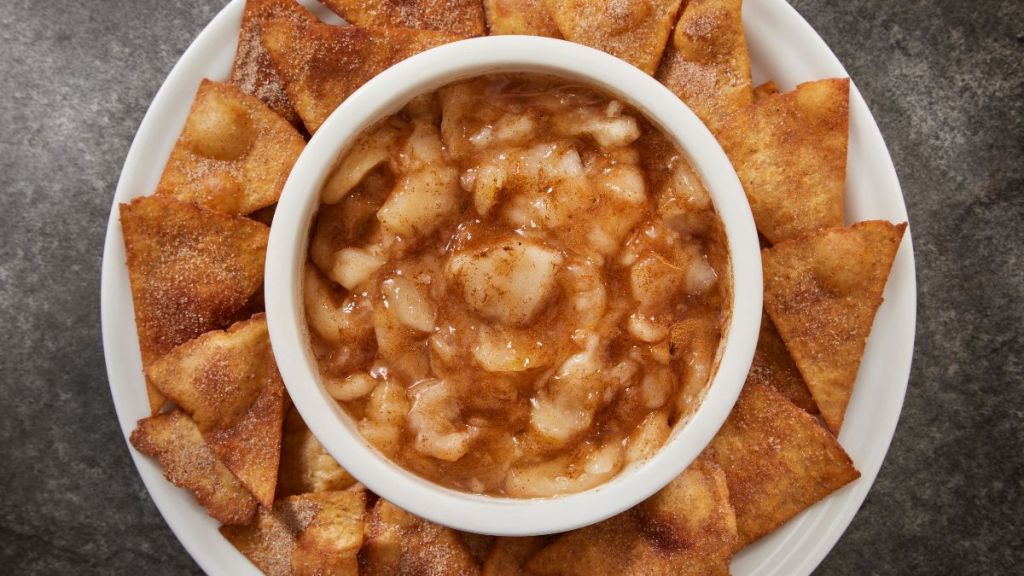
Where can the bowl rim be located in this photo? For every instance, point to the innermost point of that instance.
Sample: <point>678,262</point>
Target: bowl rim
<point>385,94</point>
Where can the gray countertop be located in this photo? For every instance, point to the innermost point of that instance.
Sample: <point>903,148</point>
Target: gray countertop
<point>945,80</point>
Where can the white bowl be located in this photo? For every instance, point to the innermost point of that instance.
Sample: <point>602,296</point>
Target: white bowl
<point>287,253</point>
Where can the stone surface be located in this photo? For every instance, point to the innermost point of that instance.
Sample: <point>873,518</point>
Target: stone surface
<point>944,79</point>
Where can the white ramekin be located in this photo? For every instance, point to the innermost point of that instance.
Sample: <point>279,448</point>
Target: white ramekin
<point>287,253</point>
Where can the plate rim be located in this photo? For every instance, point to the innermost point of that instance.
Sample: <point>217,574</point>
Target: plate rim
<point>184,516</point>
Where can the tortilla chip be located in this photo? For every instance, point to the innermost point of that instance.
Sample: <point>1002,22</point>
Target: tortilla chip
<point>233,155</point>
<point>479,545</point>
<point>822,292</point>
<point>773,366</point>
<point>252,70</point>
<point>399,543</point>
<point>463,17</point>
<point>767,89</point>
<point>228,382</point>
<point>192,270</point>
<point>525,17</point>
<point>508,556</point>
<point>706,64</point>
<point>789,151</point>
<point>687,528</point>
<point>322,65</point>
<point>329,526</point>
<point>634,31</point>
<point>174,440</point>
<point>777,460</point>
<point>306,466</point>
<point>268,542</point>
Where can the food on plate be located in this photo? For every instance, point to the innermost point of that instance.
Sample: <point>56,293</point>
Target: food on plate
<point>516,285</point>
<point>633,31</point>
<point>507,295</point>
<point>175,441</point>
<point>252,70</point>
<point>227,381</point>
<point>508,556</point>
<point>267,542</point>
<point>773,366</point>
<point>706,62</point>
<point>399,543</point>
<point>463,17</point>
<point>233,155</point>
<point>322,65</point>
<point>767,89</point>
<point>527,17</point>
<point>686,529</point>
<point>789,151</point>
<point>329,527</point>
<point>192,270</point>
<point>306,466</point>
<point>306,535</point>
<point>822,291</point>
<point>778,460</point>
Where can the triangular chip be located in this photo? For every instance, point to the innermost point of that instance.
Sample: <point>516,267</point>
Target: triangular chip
<point>399,543</point>
<point>773,366</point>
<point>252,70</point>
<point>686,529</point>
<point>789,151</point>
<point>525,17</point>
<point>463,17</point>
<point>268,542</point>
<point>192,270</point>
<point>306,466</point>
<point>228,382</point>
<point>777,460</point>
<point>706,63</point>
<point>234,153</point>
<point>767,89</point>
<point>508,556</point>
<point>822,292</point>
<point>329,529</point>
<point>174,440</point>
<point>633,31</point>
<point>322,65</point>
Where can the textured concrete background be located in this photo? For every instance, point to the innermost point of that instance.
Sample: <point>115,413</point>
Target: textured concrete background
<point>945,80</point>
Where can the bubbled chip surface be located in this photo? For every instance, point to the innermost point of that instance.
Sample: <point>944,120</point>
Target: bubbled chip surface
<point>233,155</point>
<point>463,17</point>
<point>399,543</point>
<point>524,17</point>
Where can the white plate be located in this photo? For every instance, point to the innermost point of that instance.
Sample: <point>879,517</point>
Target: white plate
<point>783,48</point>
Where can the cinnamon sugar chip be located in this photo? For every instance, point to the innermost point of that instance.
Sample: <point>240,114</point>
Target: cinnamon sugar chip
<point>252,70</point>
<point>192,270</point>
<point>479,545</point>
<point>525,17</point>
<point>822,292</point>
<point>228,382</point>
<point>508,556</point>
<point>773,366</point>
<point>706,64</point>
<point>687,528</point>
<point>463,17</point>
<point>777,460</point>
<point>234,153</point>
<point>306,466</point>
<point>767,89</point>
<point>634,30</point>
<point>399,543</point>
<point>174,440</point>
<point>329,528</point>
<point>268,542</point>
<point>789,151</point>
<point>322,65</point>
